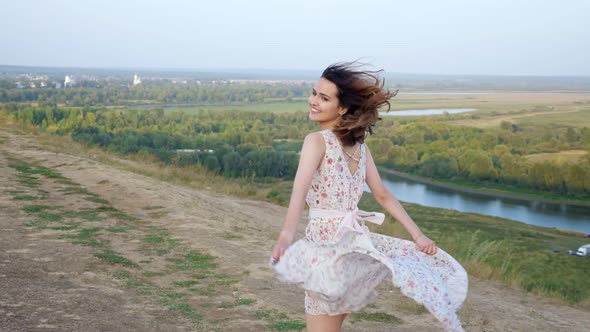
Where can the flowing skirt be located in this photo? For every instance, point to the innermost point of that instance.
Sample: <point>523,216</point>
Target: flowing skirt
<point>341,277</point>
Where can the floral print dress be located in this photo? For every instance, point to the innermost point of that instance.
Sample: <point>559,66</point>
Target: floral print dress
<point>340,262</point>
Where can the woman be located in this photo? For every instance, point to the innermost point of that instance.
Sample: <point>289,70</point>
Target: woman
<point>339,262</point>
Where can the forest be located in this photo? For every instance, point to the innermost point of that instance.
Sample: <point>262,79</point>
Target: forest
<point>265,144</point>
<point>92,93</point>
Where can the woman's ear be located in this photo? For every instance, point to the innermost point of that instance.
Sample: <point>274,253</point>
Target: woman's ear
<point>342,110</point>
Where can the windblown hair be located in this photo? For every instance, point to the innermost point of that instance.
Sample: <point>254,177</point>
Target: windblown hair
<point>363,94</point>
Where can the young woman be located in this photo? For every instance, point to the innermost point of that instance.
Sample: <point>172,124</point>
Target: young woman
<point>339,262</point>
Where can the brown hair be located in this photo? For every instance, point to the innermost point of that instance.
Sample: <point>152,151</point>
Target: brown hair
<point>362,92</point>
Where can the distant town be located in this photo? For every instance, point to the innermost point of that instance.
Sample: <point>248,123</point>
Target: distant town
<point>28,80</point>
<point>24,77</point>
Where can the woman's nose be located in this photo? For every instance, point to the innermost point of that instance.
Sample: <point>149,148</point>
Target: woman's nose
<point>312,100</point>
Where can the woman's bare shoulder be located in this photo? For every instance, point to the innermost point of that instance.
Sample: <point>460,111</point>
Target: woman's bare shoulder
<point>316,138</point>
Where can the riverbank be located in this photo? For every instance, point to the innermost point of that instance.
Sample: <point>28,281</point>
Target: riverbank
<point>489,192</point>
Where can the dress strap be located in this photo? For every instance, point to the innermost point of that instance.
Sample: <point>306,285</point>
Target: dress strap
<point>329,141</point>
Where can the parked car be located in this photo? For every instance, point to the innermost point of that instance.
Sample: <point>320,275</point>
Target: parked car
<point>571,252</point>
<point>584,250</point>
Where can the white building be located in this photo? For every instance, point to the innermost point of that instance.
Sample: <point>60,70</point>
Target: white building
<point>68,81</point>
<point>136,80</point>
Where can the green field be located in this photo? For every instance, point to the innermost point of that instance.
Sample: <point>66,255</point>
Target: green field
<point>571,119</point>
<point>571,109</point>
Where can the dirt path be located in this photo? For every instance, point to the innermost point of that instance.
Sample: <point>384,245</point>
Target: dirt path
<point>49,281</point>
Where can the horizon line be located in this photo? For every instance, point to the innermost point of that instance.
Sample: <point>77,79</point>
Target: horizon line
<point>251,69</point>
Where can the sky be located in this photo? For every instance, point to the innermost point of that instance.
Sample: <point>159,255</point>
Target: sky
<point>464,37</point>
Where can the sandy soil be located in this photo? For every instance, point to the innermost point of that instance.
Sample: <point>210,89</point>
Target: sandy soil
<point>49,283</point>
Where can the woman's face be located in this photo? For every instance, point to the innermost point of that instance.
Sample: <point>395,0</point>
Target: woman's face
<point>324,104</point>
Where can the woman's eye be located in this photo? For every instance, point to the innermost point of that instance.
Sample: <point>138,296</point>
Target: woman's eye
<point>324,99</point>
<point>313,93</point>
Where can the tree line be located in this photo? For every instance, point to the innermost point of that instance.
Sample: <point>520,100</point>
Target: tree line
<point>266,144</point>
<point>497,155</point>
<point>165,93</point>
<point>238,148</point>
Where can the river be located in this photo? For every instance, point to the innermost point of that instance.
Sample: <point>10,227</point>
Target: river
<point>562,216</point>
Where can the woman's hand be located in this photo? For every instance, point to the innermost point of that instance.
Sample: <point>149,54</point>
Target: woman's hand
<point>279,249</point>
<point>425,244</point>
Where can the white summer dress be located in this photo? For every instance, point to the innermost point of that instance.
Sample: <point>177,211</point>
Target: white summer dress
<point>340,262</point>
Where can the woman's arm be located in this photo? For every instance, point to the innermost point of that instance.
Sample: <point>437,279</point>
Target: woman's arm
<point>386,199</point>
<point>311,155</point>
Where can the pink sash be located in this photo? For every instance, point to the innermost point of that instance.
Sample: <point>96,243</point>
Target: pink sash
<point>353,221</point>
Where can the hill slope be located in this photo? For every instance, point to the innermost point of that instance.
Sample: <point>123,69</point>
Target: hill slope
<point>86,245</point>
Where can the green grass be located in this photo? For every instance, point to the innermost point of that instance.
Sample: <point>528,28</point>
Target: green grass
<point>25,198</point>
<point>184,309</point>
<point>158,241</point>
<point>223,282</point>
<point>73,189</point>
<point>119,229</point>
<point>28,180</point>
<point>88,215</point>
<point>14,192</point>
<point>289,325</point>
<point>203,291</point>
<point>186,283</point>
<point>87,237</point>
<point>500,249</point>
<point>36,169</point>
<point>67,182</point>
<point>239,302</point>
<point>96,199</point>
<point>245,301</point>
<point>105,208</point>
<point>279,321</point>
<point>64,227</point>
<point>195,260</point>
<point>168,299</point>
<point>37,224</point>
<point>114,258</point>
<point>152,273</point>
<point>121,216</point>
<point>174,295</point>
<point>49,217</point>
<point>374,317</point>
<point>153,239</point>
<point>122,274</point>
<point>39,208</point>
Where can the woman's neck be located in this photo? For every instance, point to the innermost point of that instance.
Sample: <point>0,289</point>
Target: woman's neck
<point>330,125</point>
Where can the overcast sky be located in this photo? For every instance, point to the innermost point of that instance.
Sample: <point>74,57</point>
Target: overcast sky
<point>495,37</point>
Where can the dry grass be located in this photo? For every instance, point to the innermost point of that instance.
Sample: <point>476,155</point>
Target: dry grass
<point>561,157</point>
<point>578,118</point>
<point>523,108</point>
